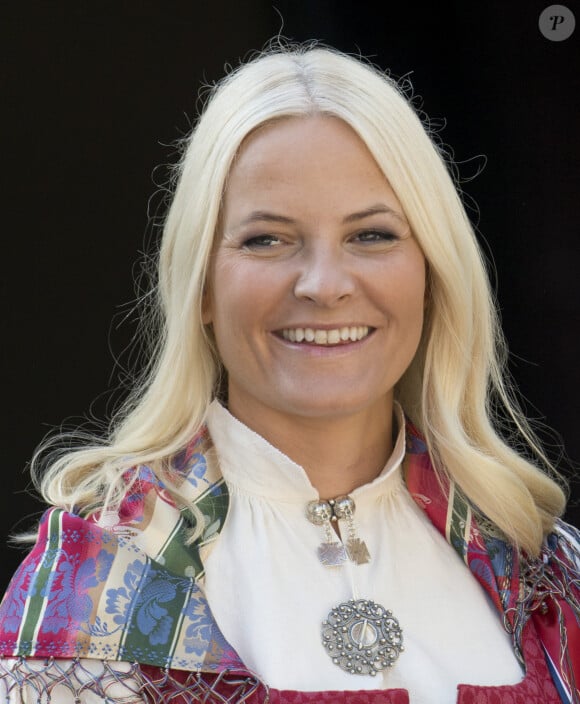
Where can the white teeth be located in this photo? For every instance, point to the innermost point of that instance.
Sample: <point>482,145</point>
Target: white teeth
<point>326,337</point>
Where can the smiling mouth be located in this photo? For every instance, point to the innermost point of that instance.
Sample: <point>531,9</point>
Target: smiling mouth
<point>336,336</point>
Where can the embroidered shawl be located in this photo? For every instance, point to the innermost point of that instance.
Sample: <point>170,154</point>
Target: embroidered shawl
<point>125,586</point>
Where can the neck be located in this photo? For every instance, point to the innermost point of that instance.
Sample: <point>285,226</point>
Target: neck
<point>338,453</point>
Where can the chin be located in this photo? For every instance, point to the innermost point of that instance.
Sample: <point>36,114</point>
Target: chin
<point>331,406</point>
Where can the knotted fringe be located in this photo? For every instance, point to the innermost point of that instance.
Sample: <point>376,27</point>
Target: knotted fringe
<point>36,682</point>
<point>179,687</point>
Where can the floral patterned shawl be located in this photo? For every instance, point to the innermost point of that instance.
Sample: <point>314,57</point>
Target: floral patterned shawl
<point>125,586</point>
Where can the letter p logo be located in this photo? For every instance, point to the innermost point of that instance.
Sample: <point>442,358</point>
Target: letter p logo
<point>557,23</point>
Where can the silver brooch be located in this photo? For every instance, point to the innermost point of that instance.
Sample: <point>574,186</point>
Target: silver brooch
<point>362,637</point>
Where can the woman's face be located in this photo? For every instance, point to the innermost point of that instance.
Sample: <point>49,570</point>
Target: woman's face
<point>317,285</point>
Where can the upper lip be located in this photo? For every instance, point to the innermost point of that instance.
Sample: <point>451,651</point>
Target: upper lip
<point>325,326</point>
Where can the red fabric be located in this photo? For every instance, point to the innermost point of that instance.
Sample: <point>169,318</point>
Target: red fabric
<point>389,696</point>
<point>548,628</point>
<point>537,686</point>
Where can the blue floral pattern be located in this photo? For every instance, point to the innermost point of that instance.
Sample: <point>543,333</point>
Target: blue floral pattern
<point>199,631</point>
<point>68,598</point>
<point>119,600</point>
<point>22,586</point>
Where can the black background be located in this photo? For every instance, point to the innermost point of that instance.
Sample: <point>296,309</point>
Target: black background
<point>93,95</point>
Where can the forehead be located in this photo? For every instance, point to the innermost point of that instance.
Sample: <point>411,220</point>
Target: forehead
<point>305,162</point>
<point>294,137</point>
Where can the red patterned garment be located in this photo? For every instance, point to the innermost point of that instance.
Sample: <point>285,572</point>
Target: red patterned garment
<point>124,587</point>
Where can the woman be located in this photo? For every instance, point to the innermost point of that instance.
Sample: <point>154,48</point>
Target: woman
<point>307,499</point>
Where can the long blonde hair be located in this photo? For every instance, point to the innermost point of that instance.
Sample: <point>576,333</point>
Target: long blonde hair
<point>458,375</point>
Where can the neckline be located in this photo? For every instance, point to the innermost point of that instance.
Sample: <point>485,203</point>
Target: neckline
<point>252,465</point>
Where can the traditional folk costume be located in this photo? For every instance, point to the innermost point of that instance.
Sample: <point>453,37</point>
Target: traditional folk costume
<point>271,604</point>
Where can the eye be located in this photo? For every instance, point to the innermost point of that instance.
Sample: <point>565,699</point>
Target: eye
<point>262,242</point>
<point>372,236</point>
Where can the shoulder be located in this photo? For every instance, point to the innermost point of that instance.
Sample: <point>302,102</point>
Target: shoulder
<point>123,584</point>
<point>85,591</point>
<point>53,585</point>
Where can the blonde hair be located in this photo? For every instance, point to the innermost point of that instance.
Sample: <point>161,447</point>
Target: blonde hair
<point>458,375</point>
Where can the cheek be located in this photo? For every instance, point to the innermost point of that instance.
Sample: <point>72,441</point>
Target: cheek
<point>415,279</point>
<point>402,285</point>
<point>241,295</point>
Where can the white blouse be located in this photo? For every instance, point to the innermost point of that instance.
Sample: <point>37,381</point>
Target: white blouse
<point>269,593</point>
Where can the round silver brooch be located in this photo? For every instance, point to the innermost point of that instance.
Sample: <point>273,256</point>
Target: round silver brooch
<point>362,637</point>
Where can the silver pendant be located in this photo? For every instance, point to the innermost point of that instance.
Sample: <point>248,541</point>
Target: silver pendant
<point>357,551</point>
<point>332,554</point>
<point>362,637</point>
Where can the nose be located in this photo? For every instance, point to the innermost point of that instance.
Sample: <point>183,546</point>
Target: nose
<point>324,278</point>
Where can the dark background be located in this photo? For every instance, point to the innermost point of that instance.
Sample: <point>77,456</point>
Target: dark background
<point>93,95</point>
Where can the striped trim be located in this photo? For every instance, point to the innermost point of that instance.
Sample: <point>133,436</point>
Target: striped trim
<point>458,523</point>
<point>44,576</point>
<point>562,688</point>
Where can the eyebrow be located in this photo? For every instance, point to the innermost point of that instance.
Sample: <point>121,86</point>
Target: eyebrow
<point>264,215</point>
<point>378,209</point>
